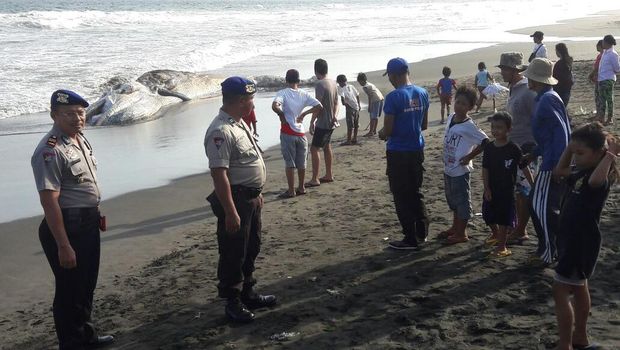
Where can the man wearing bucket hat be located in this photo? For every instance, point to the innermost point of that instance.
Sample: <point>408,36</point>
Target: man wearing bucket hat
<point>239,174</point>
<point>65,173</point>
<point>551,131</point>
<point>520,105</point>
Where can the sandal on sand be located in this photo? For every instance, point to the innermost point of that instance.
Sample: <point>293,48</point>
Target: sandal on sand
<point>324,179</point>
<point>311,184</point>
<point>285,195</point>
<point>592,346</point>
<point>500,254</point>
<point>444,234</point>
<point>514,239</point>
<point>490,241</point>
<point>346,143</point>
<point>451,240</point>
<point>300,193</point>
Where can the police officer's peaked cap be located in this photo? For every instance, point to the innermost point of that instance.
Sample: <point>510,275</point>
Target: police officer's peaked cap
<point>67,98</point>
<point>236,86</point>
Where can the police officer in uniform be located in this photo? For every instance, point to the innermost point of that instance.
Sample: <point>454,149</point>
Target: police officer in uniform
<point>65,173</point>
<point>239,175</point>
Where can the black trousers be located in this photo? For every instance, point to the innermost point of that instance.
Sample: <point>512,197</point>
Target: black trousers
<point>545,201</point>
<point>73,299</point>
<point>405,172</point>
<point>238,250</point>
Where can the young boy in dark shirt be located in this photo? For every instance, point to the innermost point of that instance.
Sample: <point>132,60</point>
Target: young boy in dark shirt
<point>499,173</point>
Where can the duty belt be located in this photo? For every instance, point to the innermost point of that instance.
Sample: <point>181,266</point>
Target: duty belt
<point>80,212</point>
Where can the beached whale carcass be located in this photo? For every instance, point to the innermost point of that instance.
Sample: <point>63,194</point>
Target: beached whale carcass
<point>140,100</point>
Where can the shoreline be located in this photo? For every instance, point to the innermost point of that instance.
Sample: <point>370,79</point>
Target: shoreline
<point>175,218</point>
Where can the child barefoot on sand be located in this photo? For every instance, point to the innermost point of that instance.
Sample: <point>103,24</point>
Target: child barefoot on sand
<point>375,102</point>
<point>594,154</point>
<point>483,79</point>
<point>499,174</point>
<point>462,142</point>
<point>444,90</point>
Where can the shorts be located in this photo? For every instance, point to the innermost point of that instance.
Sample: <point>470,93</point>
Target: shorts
<point>457,195</point>
<point>352,118</point>
<point>499,211</point>
<point>375,109</point>
<point>572,281</point>
<point>445,98</point>
<point>321,137</point>
<point>294,150</point>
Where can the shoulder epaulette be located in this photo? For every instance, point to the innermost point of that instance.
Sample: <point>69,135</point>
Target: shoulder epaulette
<point>52,140</point>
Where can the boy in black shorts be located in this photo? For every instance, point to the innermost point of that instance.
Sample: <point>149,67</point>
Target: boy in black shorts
<point>499,173</point>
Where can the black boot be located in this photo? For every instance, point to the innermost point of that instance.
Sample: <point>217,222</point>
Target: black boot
<point>254,300</point>
<point>237,312</point>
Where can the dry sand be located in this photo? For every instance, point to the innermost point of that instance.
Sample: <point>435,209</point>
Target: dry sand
<point>324,254</point>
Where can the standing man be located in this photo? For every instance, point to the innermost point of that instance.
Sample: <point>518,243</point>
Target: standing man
<point>65,174</point>
<point>326,120</point>
<point>375,102</point>
<point>288,105</point>
<point>406,116</point>
<point>520,105</point>
<point>551,132</point>
<point>239,174</point>
<point>607,70</point>
<point>540,50</point>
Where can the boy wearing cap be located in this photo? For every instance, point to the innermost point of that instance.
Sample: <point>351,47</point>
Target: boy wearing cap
<point>540,50</point>
<point>520,105</point>
<point>608,68</point>
<point>239,174</point>
<point>65,174</point>
<point>551,131</point>
<point>288,105</point>
<point>406,116</point>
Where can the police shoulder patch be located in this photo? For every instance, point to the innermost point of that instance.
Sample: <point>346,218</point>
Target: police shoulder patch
<point>49,156</point>
<point>52,140</point>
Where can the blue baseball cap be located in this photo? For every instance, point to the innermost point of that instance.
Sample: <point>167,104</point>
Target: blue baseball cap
<point>67,98</point>
<point>396,66</point>
<point>238,86</point>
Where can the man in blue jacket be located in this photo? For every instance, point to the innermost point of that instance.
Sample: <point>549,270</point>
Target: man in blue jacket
<point>551,131</point>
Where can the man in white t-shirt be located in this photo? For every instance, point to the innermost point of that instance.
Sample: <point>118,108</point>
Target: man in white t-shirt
<point>540,50</point>
<point>288,105</point>
<point>351,100</point>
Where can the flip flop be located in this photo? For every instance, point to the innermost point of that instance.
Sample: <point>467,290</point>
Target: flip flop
<point>285,195</point>
<point>311,184</point>
<point>500,254</point>
<point>490,241</point>
<point>451,240</point>
<point>326,180</point>
<point>444,234</point>
<point>592,346</point>
<point>517,240</point>
<point>346,143</point>
<point>299,193</point>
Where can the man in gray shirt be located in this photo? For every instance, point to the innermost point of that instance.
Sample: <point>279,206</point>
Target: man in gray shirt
<point>326,91</point>
<point>520,105</point>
